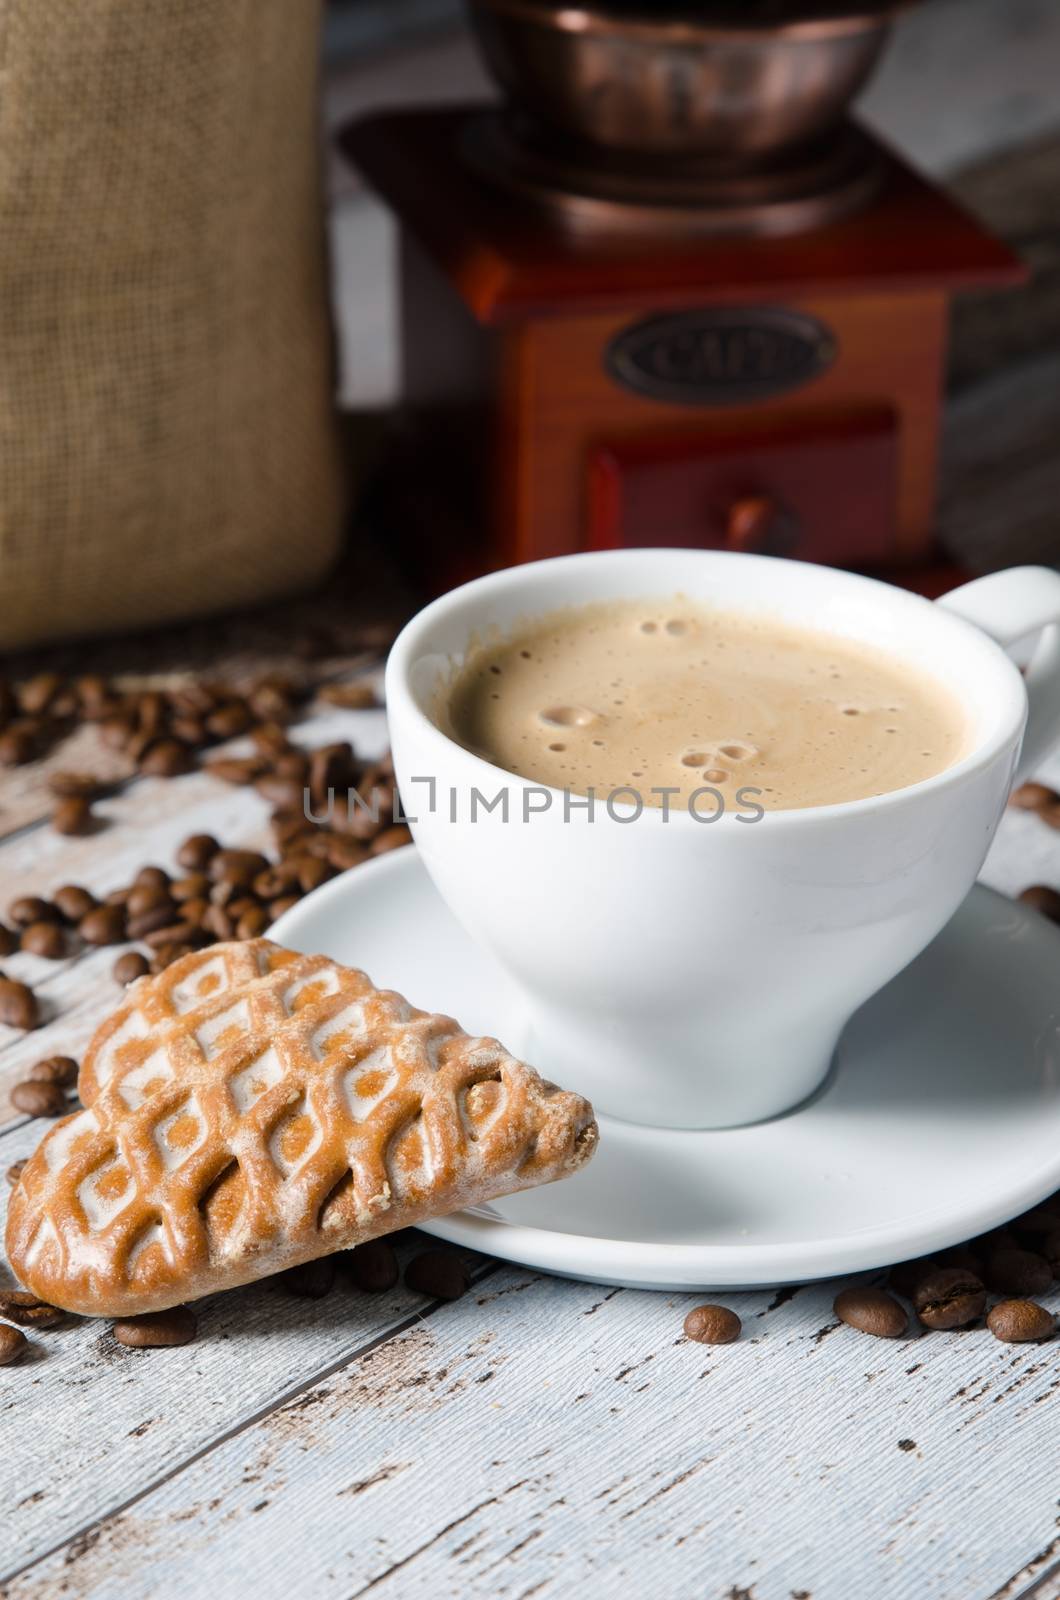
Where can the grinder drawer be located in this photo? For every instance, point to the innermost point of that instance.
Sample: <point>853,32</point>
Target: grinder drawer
<point>819,485</point>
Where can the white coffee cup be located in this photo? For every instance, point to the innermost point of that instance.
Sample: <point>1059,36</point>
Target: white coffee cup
<point>693,974</point>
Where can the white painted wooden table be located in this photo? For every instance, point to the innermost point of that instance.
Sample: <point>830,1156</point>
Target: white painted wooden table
<point>539,1437</point>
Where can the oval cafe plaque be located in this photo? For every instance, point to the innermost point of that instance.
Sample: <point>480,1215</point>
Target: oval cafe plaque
<point>712,357</point>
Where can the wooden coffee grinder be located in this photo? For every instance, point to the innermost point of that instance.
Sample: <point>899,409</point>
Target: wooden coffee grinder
<point>670,293</point>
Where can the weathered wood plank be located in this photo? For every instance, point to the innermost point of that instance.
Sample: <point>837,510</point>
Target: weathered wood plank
<point>543,1436</point>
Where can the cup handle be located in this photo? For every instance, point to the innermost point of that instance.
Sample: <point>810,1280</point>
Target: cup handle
<point>1011,606</point>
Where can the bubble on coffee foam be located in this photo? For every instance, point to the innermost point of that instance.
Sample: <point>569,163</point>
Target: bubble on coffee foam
<point>567,717</point>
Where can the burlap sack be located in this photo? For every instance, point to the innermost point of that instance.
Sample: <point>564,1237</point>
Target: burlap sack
<point>167,434</point>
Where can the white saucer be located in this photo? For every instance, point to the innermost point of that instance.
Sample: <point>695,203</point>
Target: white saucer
<point>940,1120</point>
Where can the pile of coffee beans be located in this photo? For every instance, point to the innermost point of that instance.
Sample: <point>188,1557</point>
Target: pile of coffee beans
<point>214,893</point>
<point>161,731</point>
<point>371,1268</point>
<point>1015,1264</point>
<point>1044,803</point>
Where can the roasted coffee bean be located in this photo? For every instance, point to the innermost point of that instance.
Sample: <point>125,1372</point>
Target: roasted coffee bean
<point>37,693</point>
<point>150,710</point>
<point>390,839</point>
<point>139,743</point>
<point>74,785</point>
<point>18,1305</point>
<point>229,720</point>
<point>240,900</point>
<point>167,759</point>
<point>364,820</point>
<point>316,845</point>
<point>239,867</point>
<point>293,763</point>
<point>118,897</point>
<point>345,853</point>
<point>190,731</point>
<point>129,967</point>
<point>949,1298</point>
<point>279,791</point>
<point>267,885</point>
<point>373,1267</point>
<point>905,1276</point>
<point>270,740</point>
<point>18,1005</point>
<point>311,1281</point>
<point>45,939</point>
<point>193,699</point>
<point>161,915</point>
<point>252,923</point>
<point>62,1070</point>
<point>151,878</point>
<point>197,852</point>
<point>1020,1322</point>
<point>1022,1273</point>
<point>73,902</point>
<point>871,1311</point>
<point>17,746</point>
<point>312,872</point>
<point>1050,815</point>
<point>236,769</point>
<point>216,921</point>
<point>167,954</point>
<point>285,903</point>
<point>273,699</point>
<point>439,1274</point>
<point>157,1329</point>
<point>116,731</point>
<point>712,1324</point>
<point>196,886</point>
<point>90,689</point>
<point>38,1099</point>
<point>15,1171</point>
<point>13,1345</point>
<point>193,911</point>
<point>170,933</point>
<point>332,766</point>
<point>9,940</point>
<point>105,925</point>
<point>63,707</point>
<point>148,897</point>
<point>30,908</point>
<point>289,826</point>
<point>1042,899</point>
<point>349,696</point>
<point>8,705</point>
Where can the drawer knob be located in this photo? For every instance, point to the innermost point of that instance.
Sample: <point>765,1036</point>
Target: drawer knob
<point>757,525</point>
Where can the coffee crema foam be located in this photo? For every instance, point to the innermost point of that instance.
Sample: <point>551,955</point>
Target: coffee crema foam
<point>667,694</point>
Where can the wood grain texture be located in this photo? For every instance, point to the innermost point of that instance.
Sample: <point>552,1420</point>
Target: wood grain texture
<point>543,1436</point>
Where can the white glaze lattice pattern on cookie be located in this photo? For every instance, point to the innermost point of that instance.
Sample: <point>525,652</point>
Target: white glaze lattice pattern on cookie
<point>249,1109</point>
